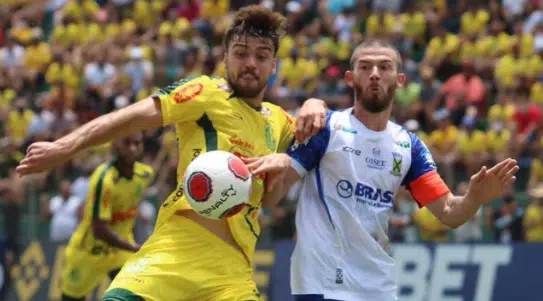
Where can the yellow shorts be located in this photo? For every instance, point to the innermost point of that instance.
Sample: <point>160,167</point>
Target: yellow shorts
<point>183,261</point>
<point>84,271</point>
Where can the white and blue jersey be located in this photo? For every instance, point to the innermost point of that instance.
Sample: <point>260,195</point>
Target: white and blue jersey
<point>352,175</point>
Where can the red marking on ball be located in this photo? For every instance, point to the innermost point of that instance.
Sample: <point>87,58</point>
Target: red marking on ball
<point>238,168</point>
<point>199,186</point>
<point>234,210</point>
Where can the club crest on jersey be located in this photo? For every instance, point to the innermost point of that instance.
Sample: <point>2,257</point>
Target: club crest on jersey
<point>396,164</point>
<point>238,168</point>
<point>270,140</point>
<point>199,186</point>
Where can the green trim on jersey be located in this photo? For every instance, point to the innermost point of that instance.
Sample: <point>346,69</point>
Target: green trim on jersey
<point>210,133</point>
<point>98,192</point>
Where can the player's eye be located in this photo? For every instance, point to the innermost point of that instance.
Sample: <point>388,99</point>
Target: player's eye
<point>262,57</point>
<point>240,54</point>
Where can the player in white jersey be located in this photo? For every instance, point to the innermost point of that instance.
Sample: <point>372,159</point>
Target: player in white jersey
<point>352,171</point>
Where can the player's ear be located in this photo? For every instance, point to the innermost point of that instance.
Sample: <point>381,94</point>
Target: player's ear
<point>274,67</point>
<point>400,80</point>
<point>349,78</point>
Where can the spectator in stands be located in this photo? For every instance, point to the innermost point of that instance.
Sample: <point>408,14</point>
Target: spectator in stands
<point>464,88</point>
<point>533,218</point>
<point>64,211</point>
<point>506,221</point>
<point>444,140</point>
<point>527,117</point>
<point>430,228</point>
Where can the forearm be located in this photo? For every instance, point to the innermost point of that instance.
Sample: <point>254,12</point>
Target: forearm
<point>457,210</point>
<point>104,232</point>
<point>272,198</point>
<point>132,119</point>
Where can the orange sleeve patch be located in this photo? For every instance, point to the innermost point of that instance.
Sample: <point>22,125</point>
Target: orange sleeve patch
<point>427,188</point>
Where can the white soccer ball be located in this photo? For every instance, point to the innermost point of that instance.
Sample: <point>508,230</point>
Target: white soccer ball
<point>217,184</point>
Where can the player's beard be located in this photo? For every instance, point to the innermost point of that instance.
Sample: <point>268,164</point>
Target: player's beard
<point>375,101</point>
<point>242,90</point>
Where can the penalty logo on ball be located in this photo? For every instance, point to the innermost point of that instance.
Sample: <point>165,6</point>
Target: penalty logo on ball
<point>199,186</point>
<point>237,167</point>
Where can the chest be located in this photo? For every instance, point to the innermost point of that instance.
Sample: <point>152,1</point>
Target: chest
<point>365,170</point>
<point>127,193</point>
<point>245,131</point>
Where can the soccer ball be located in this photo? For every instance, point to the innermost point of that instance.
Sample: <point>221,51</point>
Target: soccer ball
<point>217,184</point>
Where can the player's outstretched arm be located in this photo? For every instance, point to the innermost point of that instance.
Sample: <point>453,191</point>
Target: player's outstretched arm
<point>102,231</point>
<point>43,156</point>
<point>484,186</point>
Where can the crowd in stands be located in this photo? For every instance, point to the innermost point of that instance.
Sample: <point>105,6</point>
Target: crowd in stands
<point>474,93</point>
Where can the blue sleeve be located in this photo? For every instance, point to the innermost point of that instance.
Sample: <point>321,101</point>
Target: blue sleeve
<point>306,156</point>
<point>421,160</point>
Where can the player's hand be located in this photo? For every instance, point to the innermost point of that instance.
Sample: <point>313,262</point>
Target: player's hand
<point>135,248</point>
<point>42,156</point>
<point>311,119</point>
<point>273,166</point>
<point>486,185</point>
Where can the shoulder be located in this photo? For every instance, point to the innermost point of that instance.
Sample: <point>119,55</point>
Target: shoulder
<point>143,170</point>
<point>276,112</point>
<point>103,172</point>
<point>195,85</point>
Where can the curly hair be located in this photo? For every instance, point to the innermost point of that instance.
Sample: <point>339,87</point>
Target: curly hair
<point>257,21</point>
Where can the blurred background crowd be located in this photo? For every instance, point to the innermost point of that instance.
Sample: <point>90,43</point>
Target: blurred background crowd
<point>474,94</point>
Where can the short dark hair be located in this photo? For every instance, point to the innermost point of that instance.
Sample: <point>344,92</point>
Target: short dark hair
<point>374,43</point>
<point>257,21</point>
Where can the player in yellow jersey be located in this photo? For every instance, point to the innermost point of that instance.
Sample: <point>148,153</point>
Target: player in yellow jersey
<point>104,240</point>
<point>189,257</point>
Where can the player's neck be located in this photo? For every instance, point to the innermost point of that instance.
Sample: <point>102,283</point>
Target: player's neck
<point>255,102</point>
<point>126,170</point>
<point>374,121</point>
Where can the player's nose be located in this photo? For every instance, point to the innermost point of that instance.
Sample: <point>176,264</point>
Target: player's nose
<point>250,62</point>
<point>375,73</point>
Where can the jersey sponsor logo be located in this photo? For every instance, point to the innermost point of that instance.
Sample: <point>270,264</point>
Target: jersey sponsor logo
<point>270,140</point>
<point>238,168</point>
<point>339,127</point>
<point>403,144</point>
<point>188,92</point>
<point>396,164</point>
<point>200,187</point>
<point>122,216</point>
<point>241,143</point>
<point>375,163</point>
<point>365,193</point>
<point>351,150</point>
<point>339,276</point>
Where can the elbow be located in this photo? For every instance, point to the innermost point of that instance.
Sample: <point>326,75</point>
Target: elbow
<point>98,229</point>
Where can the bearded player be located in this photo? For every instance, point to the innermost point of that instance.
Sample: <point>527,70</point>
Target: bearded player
<point>189,257</point>
<point>104,239</point>
<point>353,169</point>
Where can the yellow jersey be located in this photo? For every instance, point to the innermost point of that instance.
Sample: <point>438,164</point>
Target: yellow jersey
<point>208,116</point>
<point>534,214</point>
<point>113,198</point>
<point>430,228</point>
